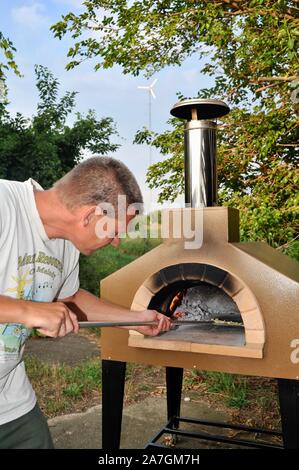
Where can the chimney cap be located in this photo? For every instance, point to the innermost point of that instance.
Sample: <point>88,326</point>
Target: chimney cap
<point>199,109</point>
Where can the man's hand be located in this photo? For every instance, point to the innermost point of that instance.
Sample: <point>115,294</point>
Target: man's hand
<point>91,308</point>
<point>50,318</point>
<point>163,323</point>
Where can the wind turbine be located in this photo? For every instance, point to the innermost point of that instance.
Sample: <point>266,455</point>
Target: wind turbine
<point>151,95</point>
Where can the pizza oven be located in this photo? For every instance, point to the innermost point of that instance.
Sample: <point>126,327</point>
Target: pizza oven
<point>244,295</point>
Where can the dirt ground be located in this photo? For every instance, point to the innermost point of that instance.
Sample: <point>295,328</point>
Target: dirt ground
<point>71,350</point>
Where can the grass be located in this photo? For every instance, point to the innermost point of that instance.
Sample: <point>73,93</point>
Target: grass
<point>143,381</point>
<point>233,389</point>
<point>64,389</point>
<point>250,400</point>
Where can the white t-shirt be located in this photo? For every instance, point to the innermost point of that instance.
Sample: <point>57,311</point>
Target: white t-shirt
<point>32,267</point>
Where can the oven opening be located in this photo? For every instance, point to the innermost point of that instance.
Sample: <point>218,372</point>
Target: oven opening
<point>218,316</point>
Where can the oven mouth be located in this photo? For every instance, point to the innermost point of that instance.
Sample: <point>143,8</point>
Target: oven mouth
<point>198,301</point>
<point>202,302</point>
<point>235,327</point>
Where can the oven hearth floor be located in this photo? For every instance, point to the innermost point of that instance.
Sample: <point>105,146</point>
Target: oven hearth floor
<point>206,334</point>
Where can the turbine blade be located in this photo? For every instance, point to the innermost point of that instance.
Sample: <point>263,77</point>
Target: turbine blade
<point>153,94</point>
<point>154,83</point>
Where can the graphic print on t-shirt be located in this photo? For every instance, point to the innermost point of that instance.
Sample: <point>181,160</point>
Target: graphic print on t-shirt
<point>29,284</point>
<point>12,338</point>
<point>21,281</point>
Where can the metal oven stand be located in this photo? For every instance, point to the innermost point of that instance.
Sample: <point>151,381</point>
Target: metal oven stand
<point>113,383</point>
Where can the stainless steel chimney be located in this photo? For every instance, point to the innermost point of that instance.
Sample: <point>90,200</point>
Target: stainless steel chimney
<point>200,149</point>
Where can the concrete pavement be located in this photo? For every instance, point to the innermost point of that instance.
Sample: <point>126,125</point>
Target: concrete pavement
<point>140,422</point>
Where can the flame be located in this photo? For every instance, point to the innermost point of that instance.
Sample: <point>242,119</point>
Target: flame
<point>176,301</point>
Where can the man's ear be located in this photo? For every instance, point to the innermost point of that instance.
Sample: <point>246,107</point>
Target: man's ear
<point>88,215</point>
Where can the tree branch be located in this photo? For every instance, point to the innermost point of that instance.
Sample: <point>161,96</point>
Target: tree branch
<point>266,87</point>
<point>261,12</point>
<point>272,79</point>
<point>288,145</point>
<point>287,244</point>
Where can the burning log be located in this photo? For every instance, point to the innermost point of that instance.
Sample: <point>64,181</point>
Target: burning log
<point>204,302</point>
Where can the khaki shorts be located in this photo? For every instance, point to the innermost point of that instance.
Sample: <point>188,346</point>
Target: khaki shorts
<point>27,432</point>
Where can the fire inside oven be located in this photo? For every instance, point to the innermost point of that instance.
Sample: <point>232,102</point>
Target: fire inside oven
<point>218,316</point>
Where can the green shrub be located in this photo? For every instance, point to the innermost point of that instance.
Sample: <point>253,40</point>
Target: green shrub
<point>99,265</point>
<point>107,260</point>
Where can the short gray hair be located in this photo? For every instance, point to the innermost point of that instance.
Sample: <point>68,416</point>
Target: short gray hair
<point>97,180</point>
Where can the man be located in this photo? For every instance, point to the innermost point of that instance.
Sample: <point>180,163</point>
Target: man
<point>41,236</point>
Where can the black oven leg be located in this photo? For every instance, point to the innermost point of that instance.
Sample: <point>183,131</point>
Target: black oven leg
<point>113,384</point>
<point>289,410</point>
<point>174,381</point>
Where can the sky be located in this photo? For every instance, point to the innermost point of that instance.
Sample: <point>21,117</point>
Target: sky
<point>108,92</point>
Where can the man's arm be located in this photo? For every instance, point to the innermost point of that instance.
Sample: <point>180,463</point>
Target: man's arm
<point>58,318</point>
<point>50,318</point>
<point>89,307</point>
<point>11,310</point>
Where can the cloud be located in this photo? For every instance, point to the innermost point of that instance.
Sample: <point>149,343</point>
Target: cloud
<point>30,16</point>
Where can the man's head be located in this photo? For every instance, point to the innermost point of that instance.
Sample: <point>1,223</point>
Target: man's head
<point>91,191</point>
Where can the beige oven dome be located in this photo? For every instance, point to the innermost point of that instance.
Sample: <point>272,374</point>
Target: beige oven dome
<point>262,281</point>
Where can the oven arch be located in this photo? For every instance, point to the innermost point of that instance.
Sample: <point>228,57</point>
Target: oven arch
<point>232,285</point>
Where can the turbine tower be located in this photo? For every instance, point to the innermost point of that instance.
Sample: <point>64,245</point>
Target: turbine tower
<point>151,95</point>
<point>3,91</point>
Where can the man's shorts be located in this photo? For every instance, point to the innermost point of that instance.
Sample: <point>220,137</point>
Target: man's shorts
<point>27,432</point>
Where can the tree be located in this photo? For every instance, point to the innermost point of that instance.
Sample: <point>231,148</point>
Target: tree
<point>45,147</point>
<point>8,50</point>
<point>251,49</point>
<point>149,34</point>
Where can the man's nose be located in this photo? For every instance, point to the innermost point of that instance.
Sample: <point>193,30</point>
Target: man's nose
<point>115,242</point>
